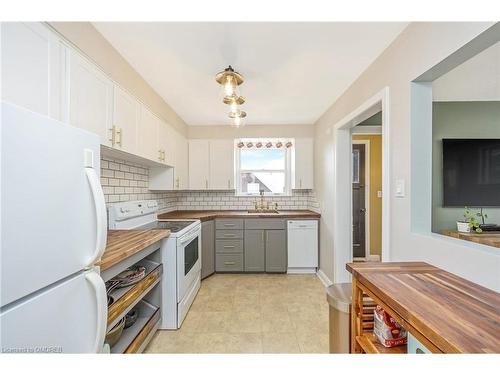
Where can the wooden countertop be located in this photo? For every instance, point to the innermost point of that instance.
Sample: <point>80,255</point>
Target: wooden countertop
<point>454,314</point>
<point>243,214</point>
<point>122,244</point>
<point>485,238</point>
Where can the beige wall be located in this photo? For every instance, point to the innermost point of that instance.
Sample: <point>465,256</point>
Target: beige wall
<point>86,37</point>
<point>417,49</point>
<point>375,185</point>
<point>226,131</point>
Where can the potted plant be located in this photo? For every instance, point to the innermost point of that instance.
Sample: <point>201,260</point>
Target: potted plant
<point>471,222</point>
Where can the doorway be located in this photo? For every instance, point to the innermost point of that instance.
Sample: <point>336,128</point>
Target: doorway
<point>343,133</point>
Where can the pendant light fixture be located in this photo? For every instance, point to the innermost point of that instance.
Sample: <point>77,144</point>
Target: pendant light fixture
<point>230,80</point>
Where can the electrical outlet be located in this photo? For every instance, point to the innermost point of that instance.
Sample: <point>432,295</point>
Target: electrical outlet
<point>379,194</point>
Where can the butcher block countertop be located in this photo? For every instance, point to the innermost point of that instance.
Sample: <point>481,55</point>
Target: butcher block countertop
<point>243,214</point>
<point>125,243</point>
<point>451,313</point>
<point>485,238</point>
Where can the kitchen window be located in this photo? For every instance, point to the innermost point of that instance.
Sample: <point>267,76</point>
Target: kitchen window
<point>263,165</point>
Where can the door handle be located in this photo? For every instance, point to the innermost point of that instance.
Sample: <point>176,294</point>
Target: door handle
<point>100,213</point>
<point>113,136</point>
<point>101,306</point>
<point>363,210</point>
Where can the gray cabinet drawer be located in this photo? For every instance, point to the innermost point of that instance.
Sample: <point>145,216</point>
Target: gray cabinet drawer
<point>264,224</point>
<point>229,262</point>
<point>229,224</point>
<point>223,234</point>
<point>229,246</point>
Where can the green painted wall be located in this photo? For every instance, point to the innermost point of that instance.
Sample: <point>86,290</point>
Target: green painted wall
<point>459,120</point>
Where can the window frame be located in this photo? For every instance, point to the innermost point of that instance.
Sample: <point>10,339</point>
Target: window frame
<point>238,171</point>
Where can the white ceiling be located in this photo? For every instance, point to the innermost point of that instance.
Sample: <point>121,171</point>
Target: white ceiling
<point>293,71</point>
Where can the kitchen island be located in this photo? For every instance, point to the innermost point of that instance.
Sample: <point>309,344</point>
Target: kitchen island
<point>444,312</point>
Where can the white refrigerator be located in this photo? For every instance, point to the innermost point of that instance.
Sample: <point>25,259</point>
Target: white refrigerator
<point>53,231</point>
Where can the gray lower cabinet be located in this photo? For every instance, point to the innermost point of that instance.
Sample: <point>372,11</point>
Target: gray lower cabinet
<point>255,250</point>
<point>229,246</point>
<point>276,251</point>
<point>207,248</point>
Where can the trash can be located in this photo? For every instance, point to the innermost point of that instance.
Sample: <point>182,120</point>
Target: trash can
<point>339,298</point>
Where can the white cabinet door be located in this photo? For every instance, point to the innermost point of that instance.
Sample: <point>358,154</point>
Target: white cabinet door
<point>181,163</point>
<point>221,164</point>
<point>147,135</point>
<point>198,164</point>
<point>90,98</point>
<point>32,66</point>
<point>126,110</point>
<point>166,143</point>
<point>304,163</point>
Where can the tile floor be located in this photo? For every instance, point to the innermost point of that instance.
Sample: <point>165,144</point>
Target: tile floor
<point>252,314</point>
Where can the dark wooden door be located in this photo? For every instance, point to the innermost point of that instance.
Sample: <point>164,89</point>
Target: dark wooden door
<point>358,200</point>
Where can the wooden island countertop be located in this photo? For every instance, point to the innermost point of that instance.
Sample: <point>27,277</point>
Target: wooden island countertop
<point>241,214</point>
<point>444,311</point>
<point>122,244</point>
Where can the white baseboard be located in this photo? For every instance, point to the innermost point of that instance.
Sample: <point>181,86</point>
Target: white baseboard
<point>305,270</point>
<point>324,279</point>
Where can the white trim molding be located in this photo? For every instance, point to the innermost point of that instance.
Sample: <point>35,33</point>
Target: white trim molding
<point>324,279</point>
<point>342,177</point>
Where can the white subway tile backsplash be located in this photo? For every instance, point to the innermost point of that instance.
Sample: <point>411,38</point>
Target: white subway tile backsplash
<point>124,181</point>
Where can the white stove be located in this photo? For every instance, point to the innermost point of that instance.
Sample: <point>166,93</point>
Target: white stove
<point>180,252</point>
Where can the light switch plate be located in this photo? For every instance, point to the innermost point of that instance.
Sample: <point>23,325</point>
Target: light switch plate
<point>400,188</point>
<point>379,194</point>
<point>88,158</point>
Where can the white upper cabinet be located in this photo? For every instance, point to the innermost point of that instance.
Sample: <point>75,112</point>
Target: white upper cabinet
<point>181,162</point>
<point>147,135</point>
<point>90,98</point>
<point>198,164</point>
<point>126,112</point>
<point>304,163</point>
<point>32,67</point>
<point>221,164</point>
<point>166,143</point>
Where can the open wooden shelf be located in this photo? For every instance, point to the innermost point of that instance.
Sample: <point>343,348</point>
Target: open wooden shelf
<point>134,338</point>
<point>126,298</point>
<point>370,345</point>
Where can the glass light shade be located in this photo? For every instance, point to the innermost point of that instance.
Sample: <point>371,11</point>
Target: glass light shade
<point>237,122</point>
<point>230,86</point>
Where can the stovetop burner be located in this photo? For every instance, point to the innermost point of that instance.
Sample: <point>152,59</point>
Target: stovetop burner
<point>174,226</point>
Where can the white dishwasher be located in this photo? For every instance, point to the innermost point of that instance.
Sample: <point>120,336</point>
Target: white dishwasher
<point>302,240</point>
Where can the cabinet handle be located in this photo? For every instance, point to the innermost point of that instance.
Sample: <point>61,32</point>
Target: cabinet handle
<point>229,184</point>
<point>262,236</point>
<point>229,235</point>
<point>177,182</point>
<point>120,137</point>
<point>300,183</point>
<point>159,157</point>
<point>206,184</point>
<point>163,155</point>
<point>229,225</point>
<point>229,263</point>
<point>228,247</point>
<point>113,136</point>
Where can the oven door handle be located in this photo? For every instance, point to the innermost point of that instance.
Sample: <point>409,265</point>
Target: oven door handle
<point>189,237</point>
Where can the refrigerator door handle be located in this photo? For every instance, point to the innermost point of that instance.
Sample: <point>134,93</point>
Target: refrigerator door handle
<point>100,212</point>
<point>102,308</point>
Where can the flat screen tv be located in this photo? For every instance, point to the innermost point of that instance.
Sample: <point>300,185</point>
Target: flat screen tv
<point>471,172</point>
